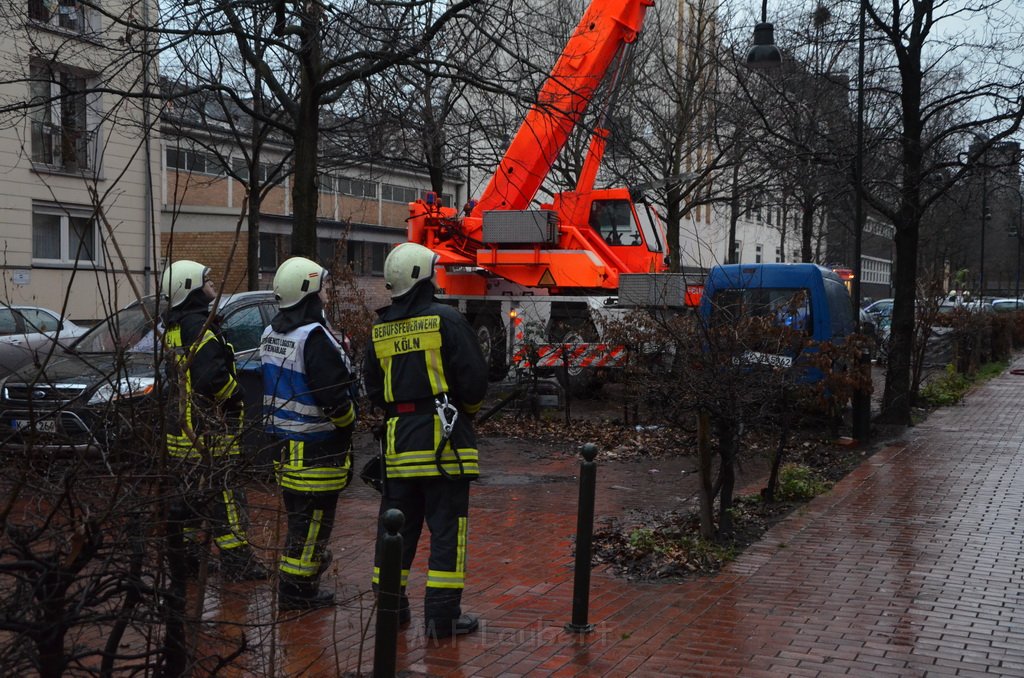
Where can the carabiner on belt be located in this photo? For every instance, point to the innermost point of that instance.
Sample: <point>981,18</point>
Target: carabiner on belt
<point>448,414</point>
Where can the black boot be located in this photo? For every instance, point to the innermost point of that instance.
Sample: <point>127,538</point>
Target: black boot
<point>241,564</point>
<point>446,628</point>
<point>287,602</point>
<point>302,595</point>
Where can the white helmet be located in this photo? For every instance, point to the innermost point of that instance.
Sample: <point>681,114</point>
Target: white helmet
<point>296,279</point>
<point>182,278</point>
<point>407,265</point>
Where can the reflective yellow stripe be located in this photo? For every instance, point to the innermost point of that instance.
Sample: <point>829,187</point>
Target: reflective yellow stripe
<point>422,463</point>
<point>304,565</point>
<point>389,435</point>
<point>294,475</point>
<point>469,469</point>
<point>228,389</point>
<point>404,580</point>
<point>439,579</point>
<point>435,371</point>
<point>296,450</point>
<point>345,419</point>
<point>389,392</point>
<point>460,548</point>
<point>474,408</point>
<point>314,530</point>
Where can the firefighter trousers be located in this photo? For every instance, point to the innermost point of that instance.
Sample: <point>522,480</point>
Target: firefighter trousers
<point>444,505</point>
<point>206,498</point>
<point>310,522</point>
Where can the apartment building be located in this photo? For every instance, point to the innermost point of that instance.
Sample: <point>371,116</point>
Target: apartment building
<point>77,220</point>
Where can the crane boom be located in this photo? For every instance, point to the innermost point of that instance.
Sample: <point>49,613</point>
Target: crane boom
<point>606,26</point>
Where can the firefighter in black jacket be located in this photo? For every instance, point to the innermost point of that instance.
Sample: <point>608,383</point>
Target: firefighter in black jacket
<point>204,421</point>
<point>307,381</point>
<point>424,368</point>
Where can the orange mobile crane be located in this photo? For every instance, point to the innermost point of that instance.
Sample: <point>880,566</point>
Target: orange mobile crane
<point>573,259</point>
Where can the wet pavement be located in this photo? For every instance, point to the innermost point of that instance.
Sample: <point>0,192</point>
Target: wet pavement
<point>911,566</point>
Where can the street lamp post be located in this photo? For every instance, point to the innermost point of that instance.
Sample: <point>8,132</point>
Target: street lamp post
<point>984,219</point>
<point>1019,234</point>
<point>763,55</point>
<point>858,229</point>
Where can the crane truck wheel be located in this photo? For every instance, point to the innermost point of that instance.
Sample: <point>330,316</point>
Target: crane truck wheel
<point>580,382</point>
<point>492,344</point>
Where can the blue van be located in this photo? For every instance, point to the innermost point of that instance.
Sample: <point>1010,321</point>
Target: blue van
<point>806,297</point>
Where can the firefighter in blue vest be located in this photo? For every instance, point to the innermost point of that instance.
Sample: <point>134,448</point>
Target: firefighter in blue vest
<point>307,381</point>
<point>204,423</point>
<point>424,368</point>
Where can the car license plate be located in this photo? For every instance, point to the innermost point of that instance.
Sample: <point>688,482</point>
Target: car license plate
<point>39,425</point>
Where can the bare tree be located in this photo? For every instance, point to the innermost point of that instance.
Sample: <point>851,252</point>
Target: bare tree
<point>309,57</point>
<point>941,81</point>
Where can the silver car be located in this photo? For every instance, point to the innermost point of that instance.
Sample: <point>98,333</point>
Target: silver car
<point>29,334</point>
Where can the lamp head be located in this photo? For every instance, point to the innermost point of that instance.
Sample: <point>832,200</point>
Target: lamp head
<point>764,54</point>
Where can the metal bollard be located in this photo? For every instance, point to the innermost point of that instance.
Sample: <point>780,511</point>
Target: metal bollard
<point>584,539</point>
<point>862,403</point>
<point>389,596</point>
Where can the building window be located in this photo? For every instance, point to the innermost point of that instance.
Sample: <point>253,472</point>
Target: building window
<point>778,255</point>
<point>268,252</point>
<point>194,162</point>
<point>64,235</point>
<point>60,116</point>
<point>367,258</point>
<point>328,250</point>
<point>403,194</point>
<point>68,15</point>
<point>737,250</point>
<point>876,271</point>
<point>378,253</point>
<point>357,188</point>
<point>759,253</point>
<point>241,169</point>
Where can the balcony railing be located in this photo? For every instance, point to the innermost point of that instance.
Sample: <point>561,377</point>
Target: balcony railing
<point>65,147</point>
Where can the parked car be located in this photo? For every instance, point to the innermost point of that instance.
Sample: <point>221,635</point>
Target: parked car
<point>30,333</point>
<point>1007,305</point>
<point>97,394</point>
<point>880,310</point>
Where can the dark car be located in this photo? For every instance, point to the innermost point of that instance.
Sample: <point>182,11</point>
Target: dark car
<point>97,393</point>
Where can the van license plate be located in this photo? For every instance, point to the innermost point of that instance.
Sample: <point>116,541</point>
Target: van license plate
<point>40,425</point>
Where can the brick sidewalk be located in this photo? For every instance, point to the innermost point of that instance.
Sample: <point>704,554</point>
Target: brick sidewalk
<point>912,565</point>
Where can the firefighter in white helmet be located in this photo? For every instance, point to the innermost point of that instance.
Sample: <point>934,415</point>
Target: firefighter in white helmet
<point>204,422</point>
<point>307,381</point>
<point>424,368</point>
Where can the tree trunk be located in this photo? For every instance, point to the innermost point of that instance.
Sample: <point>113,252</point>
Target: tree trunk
<point>732,256</point>
<point>305,195</point>
<point>896,398</point>
<point>707,499</point>
<point>806,233</point>
<point>780,451</point>
<point>252,258</point>
<point>728,438</point>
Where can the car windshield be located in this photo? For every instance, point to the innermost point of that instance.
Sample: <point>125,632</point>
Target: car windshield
<point>127,330</point>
